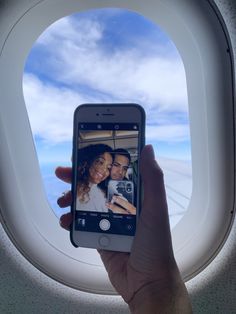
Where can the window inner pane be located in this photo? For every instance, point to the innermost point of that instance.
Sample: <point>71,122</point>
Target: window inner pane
<point>103,56</point>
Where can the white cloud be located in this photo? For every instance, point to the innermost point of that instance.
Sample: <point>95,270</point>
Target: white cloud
<point>50,109</point>
<point>77,57</point>
<point>155,81</point>
<point>168,133</point>
<point>51,113</point>
<point>83,32</point>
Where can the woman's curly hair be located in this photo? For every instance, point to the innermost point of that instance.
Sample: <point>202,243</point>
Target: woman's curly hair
<point>86,156</point>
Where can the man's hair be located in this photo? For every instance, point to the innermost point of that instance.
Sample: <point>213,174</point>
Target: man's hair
<point>122,152</point>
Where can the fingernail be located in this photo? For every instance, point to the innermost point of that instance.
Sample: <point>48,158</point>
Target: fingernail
<point>150,151</point>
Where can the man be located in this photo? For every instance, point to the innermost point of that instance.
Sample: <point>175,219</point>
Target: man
<point>118,171</point>
<point>120,164</point>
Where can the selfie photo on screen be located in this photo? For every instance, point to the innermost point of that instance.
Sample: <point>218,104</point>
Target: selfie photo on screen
<point>107,171</point>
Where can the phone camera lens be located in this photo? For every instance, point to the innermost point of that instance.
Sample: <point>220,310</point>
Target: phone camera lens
<point>97,114</point>
<point>128,188</point>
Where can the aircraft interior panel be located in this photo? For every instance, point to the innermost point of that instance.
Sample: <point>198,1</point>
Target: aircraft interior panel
<point>40,271</point>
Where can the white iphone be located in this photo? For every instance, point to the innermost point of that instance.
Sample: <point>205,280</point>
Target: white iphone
<point>107,142</point>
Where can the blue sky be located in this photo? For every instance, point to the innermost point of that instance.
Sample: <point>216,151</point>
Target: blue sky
<point>108,55</point>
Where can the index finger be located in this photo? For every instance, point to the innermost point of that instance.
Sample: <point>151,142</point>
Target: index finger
<point>116,209</point>
<point>124,203</point>
<point>64,173</point>
<point>66,221</point>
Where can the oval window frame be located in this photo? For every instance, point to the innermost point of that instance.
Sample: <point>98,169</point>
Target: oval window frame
<point>206,52</point>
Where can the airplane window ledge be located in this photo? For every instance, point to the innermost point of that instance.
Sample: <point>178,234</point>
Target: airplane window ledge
<point>203,43</point>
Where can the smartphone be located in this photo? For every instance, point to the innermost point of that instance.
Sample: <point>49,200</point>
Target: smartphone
<point>107,141</point>
<point>124,189</point>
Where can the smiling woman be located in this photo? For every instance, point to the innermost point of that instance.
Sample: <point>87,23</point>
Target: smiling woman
<point>101,56</point>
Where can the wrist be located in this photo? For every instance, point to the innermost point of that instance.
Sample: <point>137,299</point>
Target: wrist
<point>158,297</point>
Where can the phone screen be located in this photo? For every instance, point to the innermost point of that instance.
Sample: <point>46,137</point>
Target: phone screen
<point>107,180</point>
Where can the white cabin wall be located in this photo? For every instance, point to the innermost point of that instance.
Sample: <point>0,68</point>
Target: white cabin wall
<point>214,290</point>
<point>24,289</point>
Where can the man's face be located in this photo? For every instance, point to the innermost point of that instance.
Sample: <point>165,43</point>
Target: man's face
<point>119,167</point>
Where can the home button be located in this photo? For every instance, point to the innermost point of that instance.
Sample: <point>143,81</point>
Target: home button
<point>104,241</point>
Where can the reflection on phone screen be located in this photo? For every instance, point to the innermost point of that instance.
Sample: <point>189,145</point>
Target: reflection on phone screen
<point>122,190</point>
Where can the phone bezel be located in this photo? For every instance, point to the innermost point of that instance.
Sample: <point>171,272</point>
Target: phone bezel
<point>105,113</point>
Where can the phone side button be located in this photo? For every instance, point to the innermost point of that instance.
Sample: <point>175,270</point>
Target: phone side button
<point>104,241</point>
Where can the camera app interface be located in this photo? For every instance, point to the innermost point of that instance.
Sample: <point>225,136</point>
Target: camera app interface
<point>107,178</point>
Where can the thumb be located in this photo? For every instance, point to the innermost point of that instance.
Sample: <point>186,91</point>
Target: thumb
<point>152,246</point>
<point>154,203</point>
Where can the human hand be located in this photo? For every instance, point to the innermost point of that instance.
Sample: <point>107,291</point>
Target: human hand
<point>128,208</point>
<point>147,278</point>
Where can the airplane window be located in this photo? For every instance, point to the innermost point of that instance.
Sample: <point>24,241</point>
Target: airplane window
<point>117,55</point>
<point>109,55</point>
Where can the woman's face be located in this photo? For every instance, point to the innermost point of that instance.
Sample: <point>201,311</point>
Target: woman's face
<point>100,168</point>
